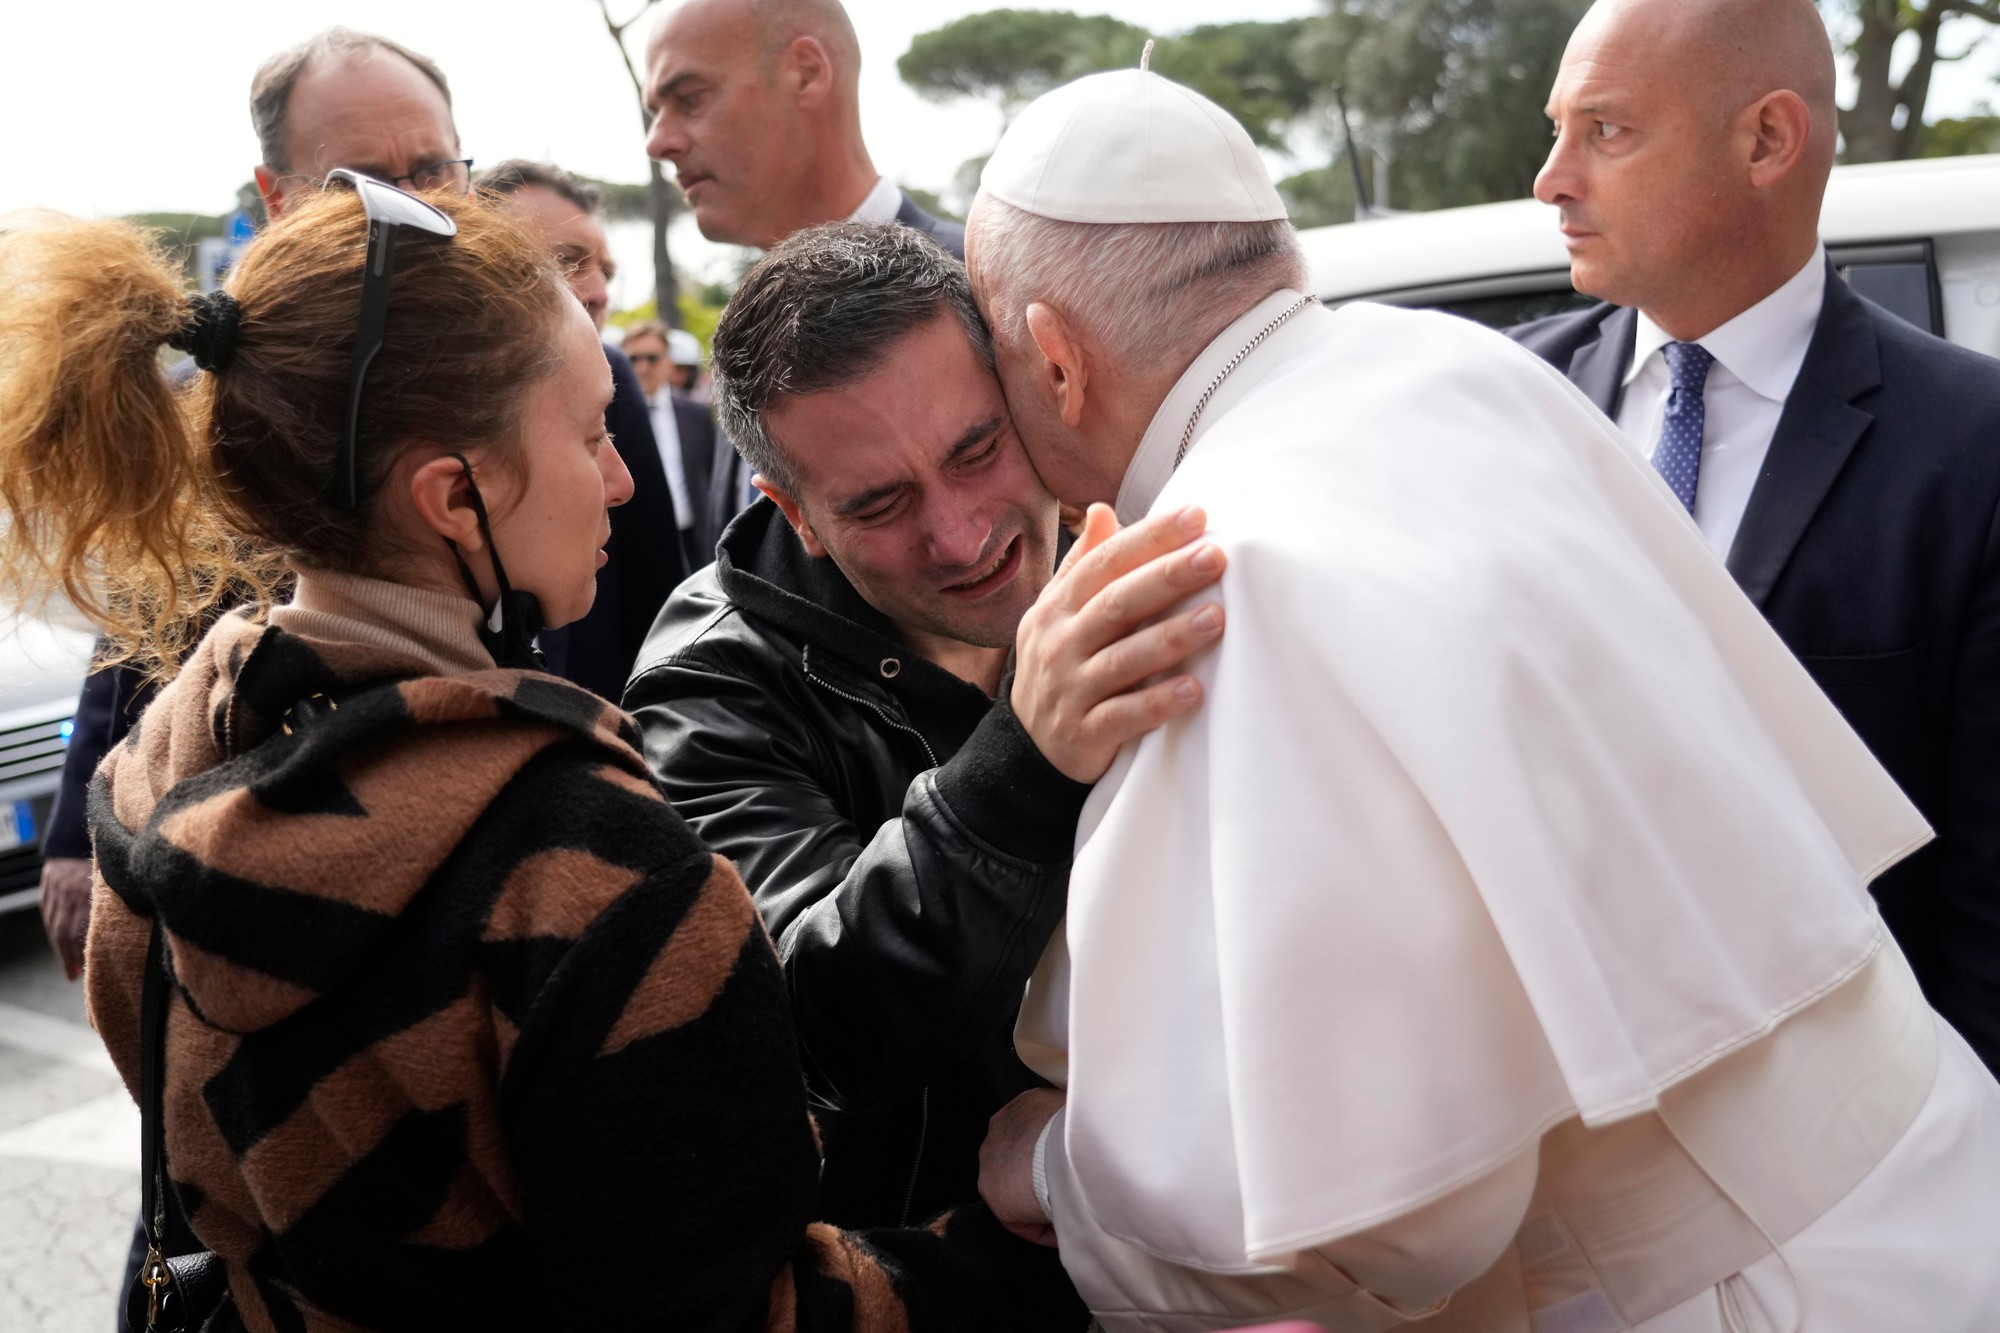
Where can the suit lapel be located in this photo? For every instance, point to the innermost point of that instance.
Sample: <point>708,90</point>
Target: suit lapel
<point>1815,436</point>
<point>697,454</point>
<point>1598,368</point>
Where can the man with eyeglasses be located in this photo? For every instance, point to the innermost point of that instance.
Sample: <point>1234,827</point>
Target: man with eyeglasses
<point>338,99</point>
<point>352,99</point>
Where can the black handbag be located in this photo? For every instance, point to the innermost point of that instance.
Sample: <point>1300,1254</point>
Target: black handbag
<point>178,1294</point>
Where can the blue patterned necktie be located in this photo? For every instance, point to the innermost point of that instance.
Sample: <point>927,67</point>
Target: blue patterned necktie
<point>1678,455</point>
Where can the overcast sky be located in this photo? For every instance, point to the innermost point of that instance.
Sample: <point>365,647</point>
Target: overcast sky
<point>123,106</point>
<point>117,106</point>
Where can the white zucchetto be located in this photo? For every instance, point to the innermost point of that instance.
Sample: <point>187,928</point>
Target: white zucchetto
<point>1130,146</point>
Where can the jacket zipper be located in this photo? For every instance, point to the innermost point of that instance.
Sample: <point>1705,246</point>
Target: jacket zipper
<point>924,1094</point>
<point>805,662</point>
<point>917,1162</point>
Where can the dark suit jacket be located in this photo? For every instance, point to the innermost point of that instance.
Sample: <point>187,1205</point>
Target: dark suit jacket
<point>112,699</point>
<point>725,493</point>
<point>706,455</point>
<point>949,235</point>
<point>1872,544</point>
<point>645,557</point>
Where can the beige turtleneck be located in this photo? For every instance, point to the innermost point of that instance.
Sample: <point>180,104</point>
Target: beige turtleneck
<point>439,629</point>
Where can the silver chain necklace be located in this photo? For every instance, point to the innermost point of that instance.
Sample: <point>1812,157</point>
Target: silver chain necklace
<point>1201,404</point>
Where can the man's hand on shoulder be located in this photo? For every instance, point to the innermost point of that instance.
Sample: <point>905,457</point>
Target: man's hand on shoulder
<point>1097,660</point>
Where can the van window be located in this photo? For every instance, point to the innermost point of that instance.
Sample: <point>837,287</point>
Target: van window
<point>1902,278</point>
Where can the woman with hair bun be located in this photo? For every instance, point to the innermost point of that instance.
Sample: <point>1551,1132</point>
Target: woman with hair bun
<point>465,1027</point>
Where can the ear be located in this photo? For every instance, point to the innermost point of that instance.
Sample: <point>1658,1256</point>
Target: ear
<point>1779,127</point>
<point>793,515</point>
<point>1064,370</point>
<point>810,70</point>
<point>443,502</point>
<point>271,186</point>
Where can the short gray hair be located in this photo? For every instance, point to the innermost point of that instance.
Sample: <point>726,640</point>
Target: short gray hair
<point>1146,291</point>
<point>820,311</point>
<point>271,90</point>
<point>517,174</point>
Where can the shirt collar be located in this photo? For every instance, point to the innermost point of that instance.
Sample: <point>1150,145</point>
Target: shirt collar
<point>881,205</point>
<point>1153,465</point>
<point>1766,344</point>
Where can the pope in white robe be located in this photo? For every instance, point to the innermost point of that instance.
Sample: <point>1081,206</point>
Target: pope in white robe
<point>1493,949</point>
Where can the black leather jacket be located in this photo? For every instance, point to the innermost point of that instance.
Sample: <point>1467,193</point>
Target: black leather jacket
<point>908,845</point>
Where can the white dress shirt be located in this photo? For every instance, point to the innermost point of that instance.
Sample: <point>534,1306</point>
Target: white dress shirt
<point>881,205</point>
<point>1757,359</point>
<point>667,434</point>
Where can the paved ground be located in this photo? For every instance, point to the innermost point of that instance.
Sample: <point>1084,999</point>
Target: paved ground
<point>69,1149</point>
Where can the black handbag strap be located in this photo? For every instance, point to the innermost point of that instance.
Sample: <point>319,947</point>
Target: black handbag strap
<point>154,998</point>
<point>152,1092</point>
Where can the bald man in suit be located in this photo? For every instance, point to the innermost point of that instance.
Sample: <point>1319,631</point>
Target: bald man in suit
<point>1844,464</point>
<point>756,104</point>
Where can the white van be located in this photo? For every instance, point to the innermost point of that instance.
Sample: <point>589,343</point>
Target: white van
<point>1921,238</point>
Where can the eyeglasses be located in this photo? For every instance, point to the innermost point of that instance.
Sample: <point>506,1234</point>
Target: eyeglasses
<point>388,209</point>
<point>454,175</point>
<point>644,358</point>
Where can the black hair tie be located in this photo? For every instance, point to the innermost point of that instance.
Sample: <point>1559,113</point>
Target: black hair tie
<point>209,335</point>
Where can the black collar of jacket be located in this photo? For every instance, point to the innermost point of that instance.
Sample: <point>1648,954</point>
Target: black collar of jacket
<point>763,568</point>
<point>1821,424</point>
<point>1599,365</point>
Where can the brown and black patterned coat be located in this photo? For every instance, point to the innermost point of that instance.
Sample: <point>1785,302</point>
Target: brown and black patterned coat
<point>469,1029</point>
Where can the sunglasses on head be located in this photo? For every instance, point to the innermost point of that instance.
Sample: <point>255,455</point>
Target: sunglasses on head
<point>388,210</point>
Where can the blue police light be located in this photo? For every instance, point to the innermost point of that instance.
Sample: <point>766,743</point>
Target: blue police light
<point>67,729</point>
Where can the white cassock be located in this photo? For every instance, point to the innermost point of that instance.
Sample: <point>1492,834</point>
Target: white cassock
<point>1493,949</point>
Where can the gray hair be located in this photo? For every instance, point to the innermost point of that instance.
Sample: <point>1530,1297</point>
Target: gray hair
<point>517,174</point>
<point>820,311</point>
<point>271,90</point>
<point>1146,291</point>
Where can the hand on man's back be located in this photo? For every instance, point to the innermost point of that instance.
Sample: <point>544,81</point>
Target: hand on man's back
<point>1098,661</point>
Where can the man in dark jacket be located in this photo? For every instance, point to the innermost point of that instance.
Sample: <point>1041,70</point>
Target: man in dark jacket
<point>668,362</point>
<point>1845,464</point>
<point>829,704</point>
<point>645,555</point>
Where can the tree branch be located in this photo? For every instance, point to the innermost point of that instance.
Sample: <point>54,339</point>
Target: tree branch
<point>659,194</point>
<point>1971,9</point>
<point>617,31</point>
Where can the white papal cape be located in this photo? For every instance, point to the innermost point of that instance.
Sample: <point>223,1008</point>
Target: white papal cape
<point>1500,924</point>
